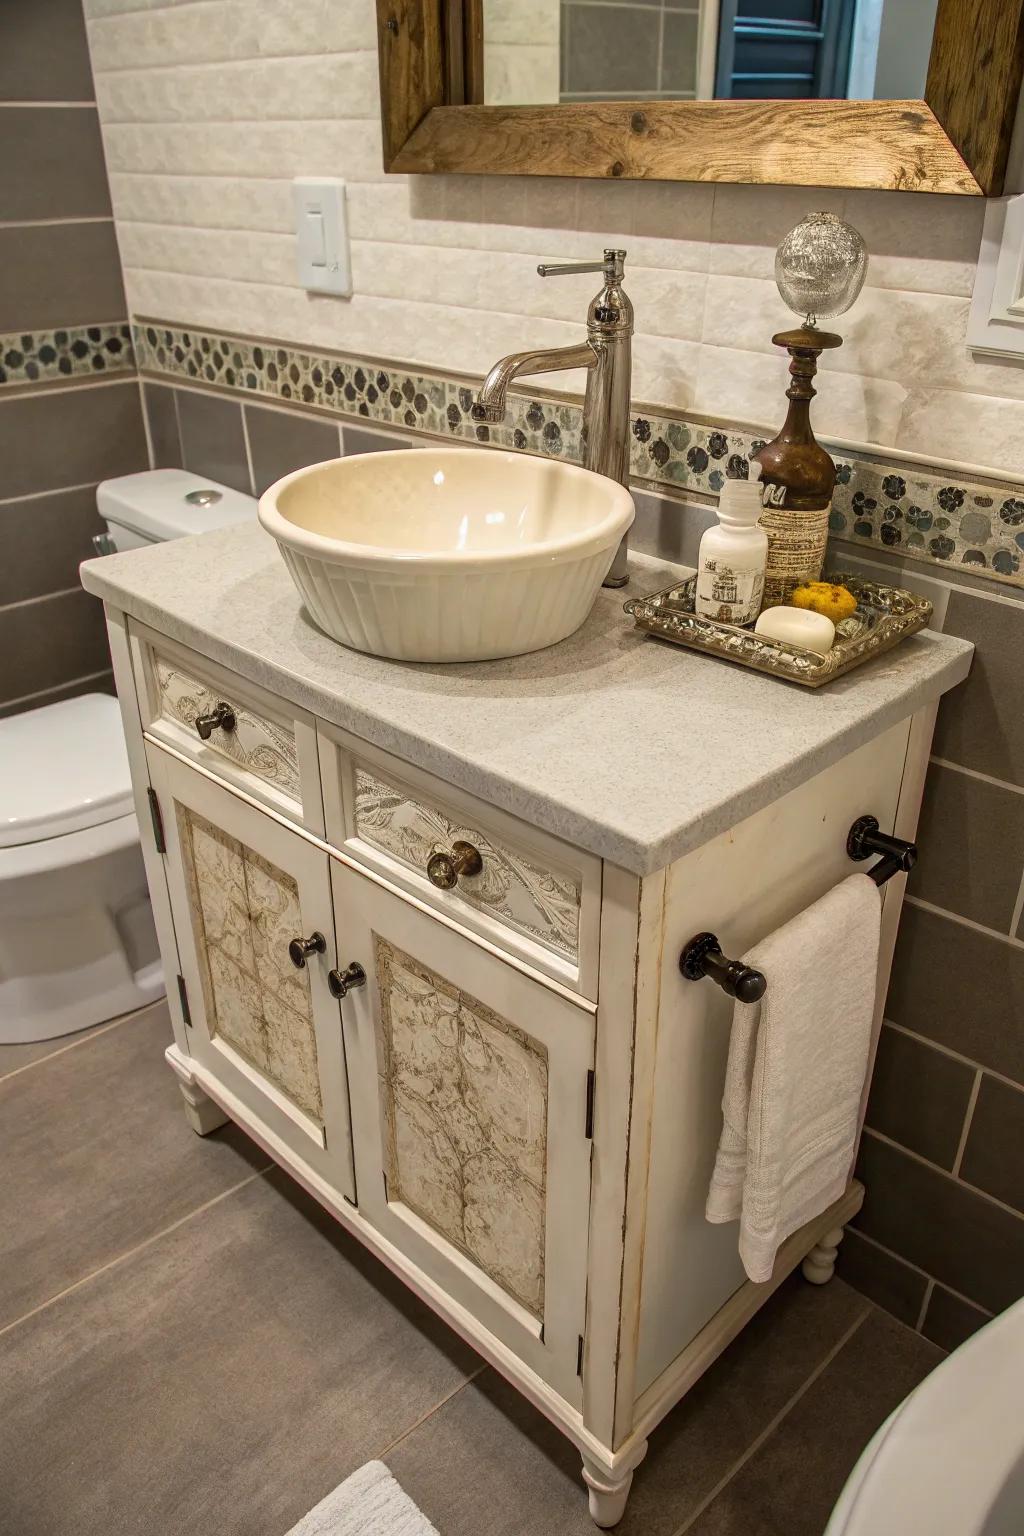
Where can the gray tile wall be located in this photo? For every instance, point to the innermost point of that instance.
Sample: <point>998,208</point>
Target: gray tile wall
<point>60,268</point>
<point>940,1240</point>
<point>247,446</point>
<point>630,48</point>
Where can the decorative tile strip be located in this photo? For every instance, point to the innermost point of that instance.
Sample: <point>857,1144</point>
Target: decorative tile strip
<point>41,356</point>
<point>931,515</point>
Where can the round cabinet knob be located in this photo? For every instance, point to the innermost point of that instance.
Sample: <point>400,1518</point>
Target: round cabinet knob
<point>222,718</point>
<point>342,982</point>
<point>445,869</point>
<point>299,950</point>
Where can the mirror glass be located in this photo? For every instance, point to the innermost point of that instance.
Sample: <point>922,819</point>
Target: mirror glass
<point>685,50</point>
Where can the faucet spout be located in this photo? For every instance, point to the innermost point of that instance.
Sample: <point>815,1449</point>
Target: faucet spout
<point>490,401</point>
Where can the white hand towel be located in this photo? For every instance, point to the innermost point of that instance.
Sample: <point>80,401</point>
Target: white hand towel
<point>796,1069</point>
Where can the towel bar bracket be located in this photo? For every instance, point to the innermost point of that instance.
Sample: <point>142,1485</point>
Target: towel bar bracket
<point>865,839</point>
<point>702,956</point>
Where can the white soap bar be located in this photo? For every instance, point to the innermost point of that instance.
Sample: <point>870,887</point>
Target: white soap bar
<point>797,626</point>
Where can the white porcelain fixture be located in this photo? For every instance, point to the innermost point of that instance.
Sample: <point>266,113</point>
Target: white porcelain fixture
<point>447,554</point>
<point>77,942</point>
<point>950,1460</point>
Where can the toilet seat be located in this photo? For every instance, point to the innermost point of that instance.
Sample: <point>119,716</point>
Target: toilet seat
<point>63,770</point>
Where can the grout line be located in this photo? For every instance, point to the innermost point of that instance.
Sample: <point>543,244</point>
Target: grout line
<point>248,449</point>
<point>968,1118</point>
<point>430,1412</point>
<point>46,105</point>
<point>41,597</point>
<point>1018,910</point>
<point>925,1303</point>
<point>873,1242</point>
<point>964,922</point>
<point>61,490</point>
<point>73,1045</point>
<point>770,1428</point>
<point>96,218</point>
<point>341,440</point>
<point>38,389</point>
<point>202,65</point>
<point>947,1050</point>
<point>44,693</point>
<point>972,773</point>
<point>131,1252</point>
<point>945,1173</point>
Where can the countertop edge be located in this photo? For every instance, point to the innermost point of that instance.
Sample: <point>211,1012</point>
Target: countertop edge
<point>489,784</point>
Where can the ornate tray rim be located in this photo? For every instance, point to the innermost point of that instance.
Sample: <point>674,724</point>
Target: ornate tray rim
<point>776,658</point>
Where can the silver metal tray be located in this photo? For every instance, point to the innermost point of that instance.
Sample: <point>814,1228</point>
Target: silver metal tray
<point>884,617</point>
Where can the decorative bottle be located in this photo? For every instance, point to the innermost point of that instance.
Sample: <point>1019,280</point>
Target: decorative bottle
<point>732,557</point>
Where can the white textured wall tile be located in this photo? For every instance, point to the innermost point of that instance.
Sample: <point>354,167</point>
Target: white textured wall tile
<point>211,107</point>
<point>971,429</point>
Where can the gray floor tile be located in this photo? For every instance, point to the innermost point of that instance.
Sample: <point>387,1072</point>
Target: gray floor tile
<point>487,1461</point>
<point>14,1057</point>
<point>218,1383</point>
<point>98,1157</point>
<point>789,1486</point>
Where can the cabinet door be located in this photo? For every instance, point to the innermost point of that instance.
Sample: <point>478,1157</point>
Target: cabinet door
<point>242,887</point>
<point>470,1089</point>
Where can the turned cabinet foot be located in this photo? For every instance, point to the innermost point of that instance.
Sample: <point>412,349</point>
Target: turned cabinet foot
<point>820,1264</point>
<point>202,1114</point>
<point>608,1494</point>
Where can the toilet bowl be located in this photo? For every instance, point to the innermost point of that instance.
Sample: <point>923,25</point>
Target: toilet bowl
<point>950,1460</point>
<point>77,942</point>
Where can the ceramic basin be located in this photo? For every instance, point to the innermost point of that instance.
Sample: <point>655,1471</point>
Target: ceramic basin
<point>447,554</point>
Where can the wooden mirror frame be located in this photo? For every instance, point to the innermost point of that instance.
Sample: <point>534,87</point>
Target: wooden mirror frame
<point>956,140</point>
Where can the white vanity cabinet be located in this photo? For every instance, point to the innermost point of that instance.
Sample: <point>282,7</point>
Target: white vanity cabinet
<point>487,1065</point>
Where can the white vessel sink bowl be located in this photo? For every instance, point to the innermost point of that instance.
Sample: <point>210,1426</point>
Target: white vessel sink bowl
<point>447,554</point>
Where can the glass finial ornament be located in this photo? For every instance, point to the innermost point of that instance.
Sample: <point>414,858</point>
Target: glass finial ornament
<point>820,267</point>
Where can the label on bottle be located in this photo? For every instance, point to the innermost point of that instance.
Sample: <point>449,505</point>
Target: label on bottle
<point>728,594</point>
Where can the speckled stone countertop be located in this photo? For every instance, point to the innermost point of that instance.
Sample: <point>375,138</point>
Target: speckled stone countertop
<point>632,748</point>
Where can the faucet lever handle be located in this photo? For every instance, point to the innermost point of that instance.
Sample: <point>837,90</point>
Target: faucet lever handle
<point>611,265</point>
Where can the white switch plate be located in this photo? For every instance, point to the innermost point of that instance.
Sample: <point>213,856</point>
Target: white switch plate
<point>321,232</point>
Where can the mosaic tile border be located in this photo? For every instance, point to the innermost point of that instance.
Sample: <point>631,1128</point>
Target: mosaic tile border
<point>931,515</point>
<point>71,352</point>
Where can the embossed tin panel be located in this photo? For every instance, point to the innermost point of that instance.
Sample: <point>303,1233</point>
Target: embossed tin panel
<point>265,748</point>
<point>464,1103</point>
<point>244,911</point>
<point>512,887</point>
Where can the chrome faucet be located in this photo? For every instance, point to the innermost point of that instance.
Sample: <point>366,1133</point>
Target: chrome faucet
<point>606,356</point>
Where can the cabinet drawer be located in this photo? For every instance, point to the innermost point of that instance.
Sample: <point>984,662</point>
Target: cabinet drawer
<point>252,741</point>
<point>525,892</point>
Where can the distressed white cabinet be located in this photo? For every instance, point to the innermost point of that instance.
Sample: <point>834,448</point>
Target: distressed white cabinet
<point>470,1107</point>
<point>243,887</point>
<point>489,1068</point>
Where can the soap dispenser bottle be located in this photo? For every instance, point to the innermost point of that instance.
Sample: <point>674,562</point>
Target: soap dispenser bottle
<point>733,555</point>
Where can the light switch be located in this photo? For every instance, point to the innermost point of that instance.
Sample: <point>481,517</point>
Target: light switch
<point>321,230</point>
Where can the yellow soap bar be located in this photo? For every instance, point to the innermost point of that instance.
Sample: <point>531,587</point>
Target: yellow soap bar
<point>797,626</point>
<point>834,601</point>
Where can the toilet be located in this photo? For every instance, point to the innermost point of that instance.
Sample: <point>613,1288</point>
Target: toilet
<point>77,943</point>
<point>950,1460</point>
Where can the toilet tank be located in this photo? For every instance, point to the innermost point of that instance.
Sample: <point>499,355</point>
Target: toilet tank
<point>161,504</point>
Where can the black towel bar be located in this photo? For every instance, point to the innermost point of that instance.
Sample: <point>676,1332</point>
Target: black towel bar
<point>898,856</point>
<point>703,957</point>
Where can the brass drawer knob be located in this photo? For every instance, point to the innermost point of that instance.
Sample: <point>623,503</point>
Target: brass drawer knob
<point>445,869</point>
<point>222,718</point>
<point>342,982</point>
<point>299,950</point>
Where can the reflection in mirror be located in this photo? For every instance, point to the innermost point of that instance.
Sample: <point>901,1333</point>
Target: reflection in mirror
<point>681,50</point>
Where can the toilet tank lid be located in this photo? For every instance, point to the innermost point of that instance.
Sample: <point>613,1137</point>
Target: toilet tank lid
<point>155,503</point>
<point>62,768</point>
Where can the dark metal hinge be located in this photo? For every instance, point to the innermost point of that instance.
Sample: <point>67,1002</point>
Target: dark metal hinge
<point>186,1012</point>
<point>589,1131</point>
<point>158,821</point>
<point>579,1356</point>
